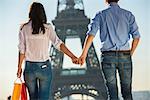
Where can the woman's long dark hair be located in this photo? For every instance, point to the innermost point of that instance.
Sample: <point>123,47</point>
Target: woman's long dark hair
<point>38,17</point>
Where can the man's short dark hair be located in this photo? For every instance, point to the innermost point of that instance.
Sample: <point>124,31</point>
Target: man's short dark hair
<point>109,1</point>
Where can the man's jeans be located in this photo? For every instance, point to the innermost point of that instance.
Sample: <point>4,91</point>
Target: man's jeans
<point>38,76</point>
<point>121,61</point>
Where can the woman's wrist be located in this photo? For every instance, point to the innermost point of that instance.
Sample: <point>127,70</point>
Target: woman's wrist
<point>19,66</point>
<point>72,56</point>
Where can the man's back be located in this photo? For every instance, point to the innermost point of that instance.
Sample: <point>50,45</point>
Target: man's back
<point>115,25</point>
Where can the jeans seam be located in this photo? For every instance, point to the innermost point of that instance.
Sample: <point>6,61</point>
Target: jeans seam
<point>122,70</point>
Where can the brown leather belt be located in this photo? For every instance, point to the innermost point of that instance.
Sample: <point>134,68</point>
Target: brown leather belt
<point>113,51</point>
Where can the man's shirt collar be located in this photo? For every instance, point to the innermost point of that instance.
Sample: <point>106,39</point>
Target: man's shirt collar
<point>114,4</point>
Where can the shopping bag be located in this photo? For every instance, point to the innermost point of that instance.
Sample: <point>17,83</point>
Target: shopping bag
<point>24,92</point>
<point>19,91</point>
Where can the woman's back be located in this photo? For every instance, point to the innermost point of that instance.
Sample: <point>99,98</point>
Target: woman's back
<point>36,46</point>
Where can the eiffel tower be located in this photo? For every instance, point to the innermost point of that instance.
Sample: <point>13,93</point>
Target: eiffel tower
<point>71,22</point>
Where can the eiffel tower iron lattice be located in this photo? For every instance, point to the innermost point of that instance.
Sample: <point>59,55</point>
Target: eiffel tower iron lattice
<point>71,22</point>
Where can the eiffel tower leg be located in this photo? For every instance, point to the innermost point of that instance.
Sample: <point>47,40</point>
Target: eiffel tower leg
<point>82,97</point>
<point>68,98</point>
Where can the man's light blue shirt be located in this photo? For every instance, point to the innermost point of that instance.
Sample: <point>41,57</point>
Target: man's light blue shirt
<point>116,25</point>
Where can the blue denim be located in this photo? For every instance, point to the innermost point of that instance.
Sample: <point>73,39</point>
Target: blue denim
<point>38,77</point>
<point>121,61</point>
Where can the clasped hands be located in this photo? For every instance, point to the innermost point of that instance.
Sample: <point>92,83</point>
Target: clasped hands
<point>79,60</point>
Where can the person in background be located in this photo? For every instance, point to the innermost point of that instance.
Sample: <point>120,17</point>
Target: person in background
<point>35,38</point>
<point>9,98</point>
<point>115,25</point>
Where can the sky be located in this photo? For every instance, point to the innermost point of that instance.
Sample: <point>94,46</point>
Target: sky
<point>15,12</point>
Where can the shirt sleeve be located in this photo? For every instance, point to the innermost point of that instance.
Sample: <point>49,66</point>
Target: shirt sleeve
<point>133,27</point>
<point>54,38</point>
<point>94,25</point>
<point>21,45</point>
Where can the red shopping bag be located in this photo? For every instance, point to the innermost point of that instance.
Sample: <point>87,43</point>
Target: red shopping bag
<point>19,91</point>
<point>24,92</point>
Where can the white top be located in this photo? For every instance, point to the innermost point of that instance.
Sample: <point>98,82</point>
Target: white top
<point>36,46</point>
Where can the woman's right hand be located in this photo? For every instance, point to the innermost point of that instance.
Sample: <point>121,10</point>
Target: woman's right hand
<point>75,60</point>
<point>19,72</point>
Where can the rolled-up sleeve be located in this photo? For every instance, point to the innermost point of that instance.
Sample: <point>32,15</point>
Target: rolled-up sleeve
<point>54,38</point>
<point>21,45</point>
<point>94,25</point>
<point>133,27</point>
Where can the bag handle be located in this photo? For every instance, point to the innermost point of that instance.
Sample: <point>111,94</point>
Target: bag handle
<point>18,79</point>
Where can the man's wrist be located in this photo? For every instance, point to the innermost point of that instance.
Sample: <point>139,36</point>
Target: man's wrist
<point>84,53</point>
<point>131,52</point>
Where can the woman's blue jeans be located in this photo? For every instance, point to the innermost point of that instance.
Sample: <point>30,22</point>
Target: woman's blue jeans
<point>121,61</point>
<point>38,77</point>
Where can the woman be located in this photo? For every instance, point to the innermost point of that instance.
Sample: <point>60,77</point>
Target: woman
<point>35,37</point>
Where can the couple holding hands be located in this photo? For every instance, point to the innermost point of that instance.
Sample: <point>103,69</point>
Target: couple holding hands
<point>115,25</point>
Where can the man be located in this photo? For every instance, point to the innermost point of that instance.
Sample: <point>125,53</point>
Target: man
<point>116,25</point>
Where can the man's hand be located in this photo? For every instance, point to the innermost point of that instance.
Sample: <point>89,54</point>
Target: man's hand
<point>134,45</point>
<point>82,59</point>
